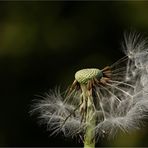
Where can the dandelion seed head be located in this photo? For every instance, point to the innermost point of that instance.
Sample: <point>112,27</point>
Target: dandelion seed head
<point>117,96</point>
<point>82,76</point>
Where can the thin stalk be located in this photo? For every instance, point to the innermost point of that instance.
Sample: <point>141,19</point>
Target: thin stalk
<point>89,137</point>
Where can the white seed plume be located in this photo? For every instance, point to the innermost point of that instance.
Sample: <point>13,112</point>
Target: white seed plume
<point>120,101</point>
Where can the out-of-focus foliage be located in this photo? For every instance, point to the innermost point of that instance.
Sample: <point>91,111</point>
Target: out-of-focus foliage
<point>42,44</point>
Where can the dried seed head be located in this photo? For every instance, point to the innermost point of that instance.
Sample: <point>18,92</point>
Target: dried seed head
<point>82,76</point>
<point>119,98</point>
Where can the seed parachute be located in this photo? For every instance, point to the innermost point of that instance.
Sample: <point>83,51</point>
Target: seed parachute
<point>101,102</point>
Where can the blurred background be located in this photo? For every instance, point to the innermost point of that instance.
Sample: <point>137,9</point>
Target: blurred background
<point>43,44</point>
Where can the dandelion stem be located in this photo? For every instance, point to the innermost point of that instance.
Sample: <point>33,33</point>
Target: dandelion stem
<point>89,140</point>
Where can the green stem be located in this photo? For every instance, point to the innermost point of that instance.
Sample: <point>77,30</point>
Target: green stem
<point>89,141</point>
<point>89,137</point>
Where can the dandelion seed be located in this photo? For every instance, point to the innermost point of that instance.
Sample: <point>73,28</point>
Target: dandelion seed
<point>101,102</point>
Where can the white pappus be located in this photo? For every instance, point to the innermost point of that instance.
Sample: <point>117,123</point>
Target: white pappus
<point>117,96</point>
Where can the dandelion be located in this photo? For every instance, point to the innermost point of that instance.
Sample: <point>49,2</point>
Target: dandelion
<point>101,102</point>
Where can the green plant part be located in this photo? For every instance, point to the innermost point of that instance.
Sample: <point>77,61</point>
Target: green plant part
<point>86,80</point>
<point>84,75</point>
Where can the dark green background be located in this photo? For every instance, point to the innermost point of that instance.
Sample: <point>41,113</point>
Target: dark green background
<point>43,44</point>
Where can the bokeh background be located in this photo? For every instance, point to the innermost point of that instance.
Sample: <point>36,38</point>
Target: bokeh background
<point>43,44</point>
